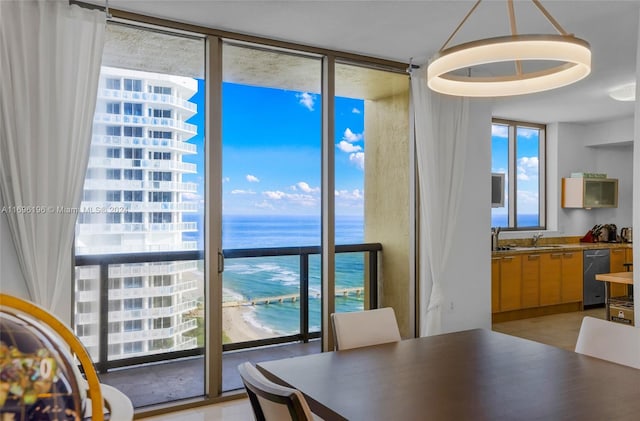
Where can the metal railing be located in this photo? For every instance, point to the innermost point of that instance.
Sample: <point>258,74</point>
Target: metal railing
<point>103,262</point>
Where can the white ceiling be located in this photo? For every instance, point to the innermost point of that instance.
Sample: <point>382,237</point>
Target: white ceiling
<point>400,30</point>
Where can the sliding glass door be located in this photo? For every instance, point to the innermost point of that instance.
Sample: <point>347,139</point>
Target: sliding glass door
<point>271,164</point>
<point>140,275</point>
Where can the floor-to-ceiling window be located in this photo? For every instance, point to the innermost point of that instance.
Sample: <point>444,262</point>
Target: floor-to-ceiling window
<point>139,237</point>
<point>147,290</point>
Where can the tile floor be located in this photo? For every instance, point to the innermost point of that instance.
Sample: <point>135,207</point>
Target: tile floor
<point>559,330</point>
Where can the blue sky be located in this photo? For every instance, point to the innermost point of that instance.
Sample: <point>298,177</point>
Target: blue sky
<point>527,150</point>
<point>272,156</point>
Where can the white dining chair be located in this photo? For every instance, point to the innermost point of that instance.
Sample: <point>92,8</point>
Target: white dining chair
<point>363,328</point>
<point>610,341</point>
<point>270,401</point>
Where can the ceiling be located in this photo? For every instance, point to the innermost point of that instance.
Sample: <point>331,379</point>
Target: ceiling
<point>404,30</point>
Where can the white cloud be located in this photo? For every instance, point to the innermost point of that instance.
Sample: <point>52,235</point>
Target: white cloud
<point>274,195</point>
<point>264,205</point>
<point>350,136</point>
<point>357,158</point>
<point>239,191</point>
<point>527,133</point>
<point>347,147</point>
<point>355,194</point>
<point>191,197</point>
<point>305,187</point>
<point>252,178</point>
<point>307,100</point>
<point>527,168</point>
<point>499,130</point>
<point>356,111</point>
<point>226,179</point>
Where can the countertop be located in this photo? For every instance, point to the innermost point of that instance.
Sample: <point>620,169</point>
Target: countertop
<point>551,247</point>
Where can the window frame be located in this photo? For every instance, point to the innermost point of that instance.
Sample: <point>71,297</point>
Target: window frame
<point>512,184</point>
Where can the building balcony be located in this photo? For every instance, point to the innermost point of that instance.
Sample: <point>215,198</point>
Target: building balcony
<point>147,122</point>
<point>145,142</point>
<point>134,248</point>
<point>174,186</point>
<point>145,164</point>
<point>83,229</point>
<point>149,334</point>
<point>145,313</point>
<point>150,269</point>
<point>147,292</point>
<point>143,206</point>
<point>133,96</point>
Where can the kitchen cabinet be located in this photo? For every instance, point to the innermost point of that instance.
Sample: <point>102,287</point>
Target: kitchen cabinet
<point>589,193</point>
<point>550,278</point>
<point>560,278</point>
<point>617,259</point>
<point>495,284</point>
<point>571,277</point>
<point>506,283</point>
<point>530,280</point>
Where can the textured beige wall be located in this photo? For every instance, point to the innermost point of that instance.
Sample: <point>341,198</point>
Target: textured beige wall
<point>387,199</point>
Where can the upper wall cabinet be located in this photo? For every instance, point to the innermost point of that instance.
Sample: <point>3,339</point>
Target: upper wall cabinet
<point>589,193</point>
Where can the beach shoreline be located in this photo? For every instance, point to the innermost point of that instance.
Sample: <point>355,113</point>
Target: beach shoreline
<point>236,326</point>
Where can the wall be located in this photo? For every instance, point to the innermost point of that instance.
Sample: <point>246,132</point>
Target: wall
<point>467,276</point>
<point>604,147</point>
<point>388,201</point>
<point>636,180</point>
<point>598,147</point>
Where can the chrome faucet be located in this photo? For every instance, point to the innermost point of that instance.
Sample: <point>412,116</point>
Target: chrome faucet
<point>536,237</point>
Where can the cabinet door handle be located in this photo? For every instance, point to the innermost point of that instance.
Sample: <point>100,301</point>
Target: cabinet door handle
<point>556,254</point>
<point>508,257</point>
<point>617,251</point>
<point>568,255</point>
<point>534,256</point>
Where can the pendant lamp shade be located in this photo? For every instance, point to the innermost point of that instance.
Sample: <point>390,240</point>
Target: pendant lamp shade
<point>570,58</point>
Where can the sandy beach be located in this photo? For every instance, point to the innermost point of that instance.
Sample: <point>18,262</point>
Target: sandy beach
<point>235,326</point>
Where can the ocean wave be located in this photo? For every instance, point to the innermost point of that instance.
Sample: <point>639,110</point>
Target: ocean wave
<point>251,317</point>
<point>231,295</point>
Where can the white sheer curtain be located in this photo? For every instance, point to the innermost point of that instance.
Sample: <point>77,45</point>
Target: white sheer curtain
<point>441,124</point>
<point>50,55</point>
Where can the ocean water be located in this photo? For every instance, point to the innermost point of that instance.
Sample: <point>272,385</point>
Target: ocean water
<point>523,220</point>
<point>247,278</point>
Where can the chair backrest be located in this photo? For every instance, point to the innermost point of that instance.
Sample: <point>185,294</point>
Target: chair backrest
<point>610,341</point>
<point>364,328</point>
<point>270,401</point>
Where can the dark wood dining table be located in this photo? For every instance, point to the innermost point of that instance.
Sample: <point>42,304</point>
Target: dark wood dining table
<point>469,375</point>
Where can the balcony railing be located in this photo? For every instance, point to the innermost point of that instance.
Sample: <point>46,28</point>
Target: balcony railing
<point>144,164</point>
<point>87,265</point>
<point>155,122</point>
<point>100,184</point>
<point>147,142</point>
<point>148,97</point>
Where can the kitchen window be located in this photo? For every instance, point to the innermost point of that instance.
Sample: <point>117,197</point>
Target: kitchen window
<point>518,152</point>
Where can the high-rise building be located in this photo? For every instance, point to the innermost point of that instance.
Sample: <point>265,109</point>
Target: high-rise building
<point>134,201</point>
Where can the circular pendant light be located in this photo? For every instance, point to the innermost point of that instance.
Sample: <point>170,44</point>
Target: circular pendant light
<point>571,58</point>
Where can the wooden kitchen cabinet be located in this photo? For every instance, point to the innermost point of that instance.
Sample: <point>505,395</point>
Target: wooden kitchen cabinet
<point>572,284</point>
<point>589,193</point>
<point>617,258</point>
<point>550,278</point>
<point>506,282</point>
<point>530,280</point>
<point>495,284</point>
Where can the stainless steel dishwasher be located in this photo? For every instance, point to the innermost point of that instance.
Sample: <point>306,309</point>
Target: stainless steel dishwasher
<point>595,261</point>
